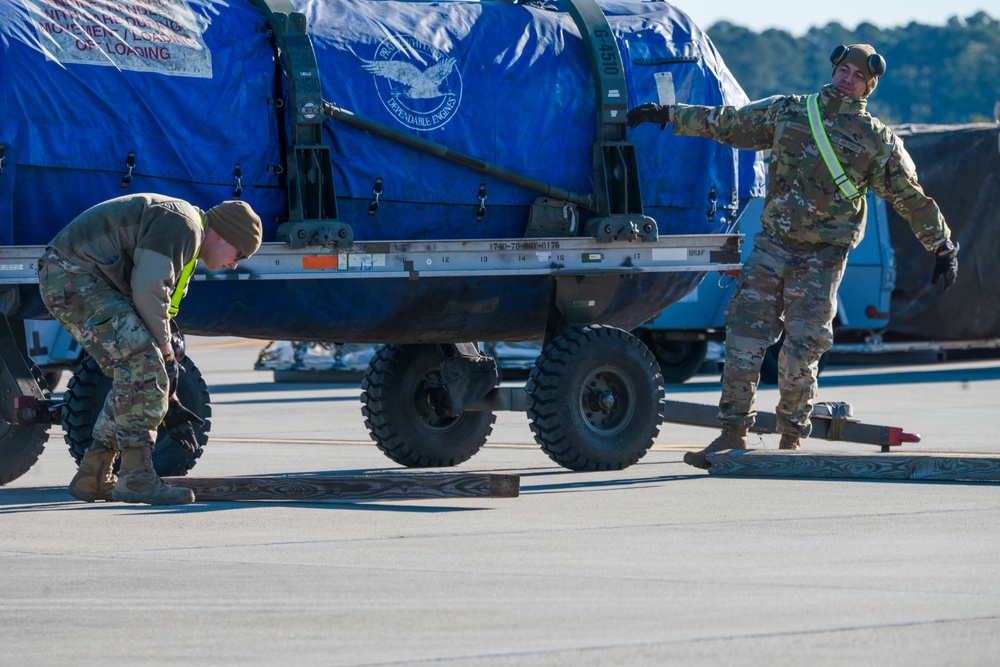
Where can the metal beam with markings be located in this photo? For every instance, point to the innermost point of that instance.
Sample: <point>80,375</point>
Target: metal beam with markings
<point>452,258</point>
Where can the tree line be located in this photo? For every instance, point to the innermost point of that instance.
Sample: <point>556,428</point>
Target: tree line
<point>935,74</point>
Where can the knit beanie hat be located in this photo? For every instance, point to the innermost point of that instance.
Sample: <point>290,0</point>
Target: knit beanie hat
<point>237,224</point>
<point>860,55</point>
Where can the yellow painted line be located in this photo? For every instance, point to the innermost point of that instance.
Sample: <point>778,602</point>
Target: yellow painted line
<point>233,343</point>
<point>289,441</point>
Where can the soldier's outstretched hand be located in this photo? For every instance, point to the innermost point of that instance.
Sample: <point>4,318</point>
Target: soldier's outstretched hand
<point>648,113</point>
<point>946,264</point>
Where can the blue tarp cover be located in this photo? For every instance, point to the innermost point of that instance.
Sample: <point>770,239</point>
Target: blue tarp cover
<point>187,87</point>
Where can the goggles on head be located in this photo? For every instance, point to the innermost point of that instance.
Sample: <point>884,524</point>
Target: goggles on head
<point>876,63</point>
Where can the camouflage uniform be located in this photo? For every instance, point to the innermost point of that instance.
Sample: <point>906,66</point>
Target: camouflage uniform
<point>109,329</point>
<point>108,278</point>
<point>791,278</point>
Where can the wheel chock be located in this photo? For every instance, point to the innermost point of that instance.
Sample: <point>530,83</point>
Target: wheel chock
<point>388,486</point>
<point>896,466</point>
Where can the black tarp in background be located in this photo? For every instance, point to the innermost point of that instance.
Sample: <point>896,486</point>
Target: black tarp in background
<point>959,166</point>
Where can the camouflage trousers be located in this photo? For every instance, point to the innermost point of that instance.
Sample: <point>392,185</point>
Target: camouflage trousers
<point>790,289</point>
<point>105,323</point>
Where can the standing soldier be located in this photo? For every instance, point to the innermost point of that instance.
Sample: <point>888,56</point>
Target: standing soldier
<point>825,151</point>
<point>114,277</point>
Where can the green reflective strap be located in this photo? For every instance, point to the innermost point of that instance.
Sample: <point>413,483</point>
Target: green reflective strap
<point>175,300</point>
<point>182,281</point>
<point>826,149</point>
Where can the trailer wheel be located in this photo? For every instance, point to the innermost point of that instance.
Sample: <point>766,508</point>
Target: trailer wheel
<point>85,396</point>
<point>679,360</point>
<point>769,366</point>
<point>402,396</point>
<point>595,399</point>
<point>20,446</point>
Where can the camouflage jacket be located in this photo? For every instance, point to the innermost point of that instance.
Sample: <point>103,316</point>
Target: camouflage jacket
<point>139,244</point>
<point>803,204</point>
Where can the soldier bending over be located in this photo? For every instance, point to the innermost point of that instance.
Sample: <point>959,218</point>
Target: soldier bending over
<point>113,277</point>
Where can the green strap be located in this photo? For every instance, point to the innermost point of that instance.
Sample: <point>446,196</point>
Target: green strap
<point>181,288</point>
<point>826,150</point>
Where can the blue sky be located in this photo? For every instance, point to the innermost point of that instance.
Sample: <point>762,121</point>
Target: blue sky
<point>797,16</point>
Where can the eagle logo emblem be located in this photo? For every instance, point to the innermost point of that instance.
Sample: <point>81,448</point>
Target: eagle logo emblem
<point>419,85</point>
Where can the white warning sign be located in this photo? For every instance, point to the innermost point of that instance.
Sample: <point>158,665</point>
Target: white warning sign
<point>163,36</point>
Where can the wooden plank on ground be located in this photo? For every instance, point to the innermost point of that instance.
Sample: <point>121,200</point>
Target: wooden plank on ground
<point>802,464</point>
<point>389,486</point>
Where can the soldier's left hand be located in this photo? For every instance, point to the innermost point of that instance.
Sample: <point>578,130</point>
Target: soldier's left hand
<point>648,113</point>
<point>178,421</point>
<point>946,265</point>
<point>184,435</point>
<point>177,415</point>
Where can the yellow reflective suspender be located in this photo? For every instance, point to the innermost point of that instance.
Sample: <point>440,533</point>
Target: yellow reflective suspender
<point>826,150</point>
<point>181,287</point>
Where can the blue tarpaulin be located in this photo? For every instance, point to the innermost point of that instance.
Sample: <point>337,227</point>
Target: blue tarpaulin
<point>187,89</point>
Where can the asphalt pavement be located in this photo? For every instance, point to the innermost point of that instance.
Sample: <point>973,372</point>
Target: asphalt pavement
<point>658,564</point>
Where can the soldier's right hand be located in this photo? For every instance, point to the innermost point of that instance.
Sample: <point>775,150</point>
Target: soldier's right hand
<point>648,113</point>
<point>173,373</point>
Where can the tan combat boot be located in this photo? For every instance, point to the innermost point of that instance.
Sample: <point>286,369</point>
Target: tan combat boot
<point>732,437</point>
<point>789,442</point>
<point>139,483</point>
<point>95,478</point>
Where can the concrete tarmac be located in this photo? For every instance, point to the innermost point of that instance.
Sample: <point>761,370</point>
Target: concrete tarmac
<point>659,564</point>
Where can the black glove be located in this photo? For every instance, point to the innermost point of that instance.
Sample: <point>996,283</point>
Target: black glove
<point>178,421</point>
<point>173,373</point>
<point>184,435</point>
<point>648,113</point>
<point>177,414</point>
<point>946,264</point>
<point>176,340</point>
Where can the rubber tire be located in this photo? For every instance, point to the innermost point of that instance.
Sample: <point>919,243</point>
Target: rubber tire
<point>52,378</point>
<point>769,366</point>
<point>85,395</point>
<point>398,396</point>
<point>20,446</point>
<point>679,360</point>
<point>567,423</point>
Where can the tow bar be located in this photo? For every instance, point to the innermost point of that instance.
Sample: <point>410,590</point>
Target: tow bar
<point>831,421</point>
